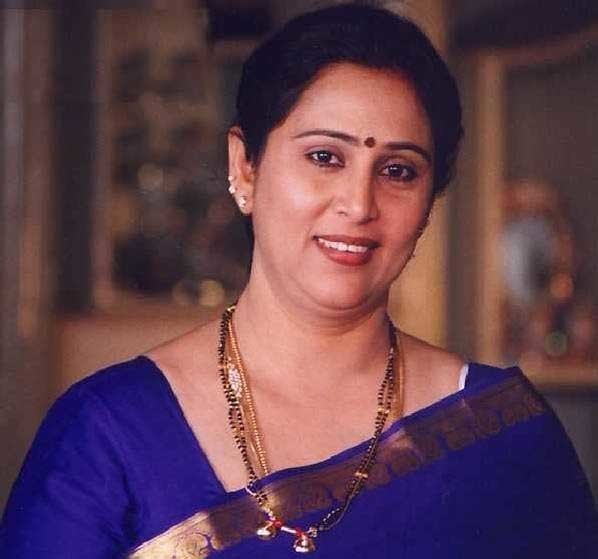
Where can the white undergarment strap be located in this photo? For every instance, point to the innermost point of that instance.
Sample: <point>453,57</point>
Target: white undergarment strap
<point>463,376</point>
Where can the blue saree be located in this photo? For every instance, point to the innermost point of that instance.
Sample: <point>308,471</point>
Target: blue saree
<point>115,471</point>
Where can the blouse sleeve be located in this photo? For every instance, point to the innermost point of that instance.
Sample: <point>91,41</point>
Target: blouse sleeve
<point>70,499</point>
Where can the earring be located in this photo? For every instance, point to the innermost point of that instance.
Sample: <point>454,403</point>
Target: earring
<point>232,188</point>
<point>241,199</point>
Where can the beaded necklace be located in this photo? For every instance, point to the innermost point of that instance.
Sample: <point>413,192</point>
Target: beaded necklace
<point>238,381</point>
<point>236,390</point>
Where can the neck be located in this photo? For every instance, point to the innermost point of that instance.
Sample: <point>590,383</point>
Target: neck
<point>279,339</point>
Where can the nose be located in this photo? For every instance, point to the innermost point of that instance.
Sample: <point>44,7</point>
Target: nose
<point>356,198</point>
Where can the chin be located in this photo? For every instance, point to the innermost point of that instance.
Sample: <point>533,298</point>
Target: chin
<point>344,298</point>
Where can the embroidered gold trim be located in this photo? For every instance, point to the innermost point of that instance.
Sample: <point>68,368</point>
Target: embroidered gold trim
<point>411,447</point>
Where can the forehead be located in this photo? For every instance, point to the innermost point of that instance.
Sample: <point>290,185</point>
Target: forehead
<point>362,101</point>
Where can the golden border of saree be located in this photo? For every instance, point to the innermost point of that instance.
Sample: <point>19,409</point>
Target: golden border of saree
<point>412,446</point>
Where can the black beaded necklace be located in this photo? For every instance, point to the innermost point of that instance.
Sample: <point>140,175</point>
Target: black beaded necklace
<point>304,539</point>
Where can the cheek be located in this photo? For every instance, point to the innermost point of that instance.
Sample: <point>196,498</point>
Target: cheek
<point>407,219</point>
<point>286,190</point>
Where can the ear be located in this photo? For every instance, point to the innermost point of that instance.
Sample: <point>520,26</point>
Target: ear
<point>241,171</point>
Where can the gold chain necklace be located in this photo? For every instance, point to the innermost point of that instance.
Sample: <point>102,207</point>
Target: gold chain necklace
<point>236,375</point>
<point>304,539</point>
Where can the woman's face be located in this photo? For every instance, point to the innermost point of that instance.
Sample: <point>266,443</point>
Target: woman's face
<point>342,190</point>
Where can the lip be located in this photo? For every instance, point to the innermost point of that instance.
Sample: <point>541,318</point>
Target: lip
<point>347,258</point>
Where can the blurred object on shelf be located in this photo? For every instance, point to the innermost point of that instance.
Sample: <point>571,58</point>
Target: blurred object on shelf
<point>174,233</point>
<point>548,317</point>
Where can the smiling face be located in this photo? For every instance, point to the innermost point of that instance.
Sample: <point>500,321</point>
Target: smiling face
<point>341,191</point>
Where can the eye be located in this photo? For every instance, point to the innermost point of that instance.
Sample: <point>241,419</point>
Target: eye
<point>324,158</point>
<point>399,172</point>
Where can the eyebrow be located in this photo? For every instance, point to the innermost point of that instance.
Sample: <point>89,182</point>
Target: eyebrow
<point>354,141</point>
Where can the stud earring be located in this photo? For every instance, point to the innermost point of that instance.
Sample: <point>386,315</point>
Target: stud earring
<point>241,199</point>
<point>232,188</point>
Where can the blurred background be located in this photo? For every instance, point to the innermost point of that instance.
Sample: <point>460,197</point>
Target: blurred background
<point>116,230</point>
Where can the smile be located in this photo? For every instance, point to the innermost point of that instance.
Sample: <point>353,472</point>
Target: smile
<point>345,250</point>
<point>343,247</point>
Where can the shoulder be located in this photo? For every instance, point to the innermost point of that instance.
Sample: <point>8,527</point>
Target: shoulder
<point>480,374</point>
<point>80,436</point>
<point>95,405</point>
<point>118,377</point>
<point>75,483</point>
<point>114,389</point>
<point>112,406</point>
<point>436,364</point>
<point>425,355</point>
<point>507,395</point>
<point>431,373</point>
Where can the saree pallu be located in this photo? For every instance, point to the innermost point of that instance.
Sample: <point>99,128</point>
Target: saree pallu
<point>115,471</point>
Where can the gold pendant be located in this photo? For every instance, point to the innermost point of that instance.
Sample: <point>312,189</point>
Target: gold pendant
<point>304,544</point>
<point>234,378</point>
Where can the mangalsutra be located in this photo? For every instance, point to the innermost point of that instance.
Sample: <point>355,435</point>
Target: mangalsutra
<point>239,384</point>
<point>246,434</point>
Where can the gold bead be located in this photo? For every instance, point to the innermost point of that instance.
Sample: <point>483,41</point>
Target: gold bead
<point>304,544</point>
<point>267,531</point>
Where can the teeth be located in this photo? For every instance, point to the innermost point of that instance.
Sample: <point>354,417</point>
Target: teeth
<point>342,247</point>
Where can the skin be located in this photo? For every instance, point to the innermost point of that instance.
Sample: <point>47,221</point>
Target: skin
<point>311,323</point>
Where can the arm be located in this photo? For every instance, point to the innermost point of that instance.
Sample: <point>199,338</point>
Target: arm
<point>70,499</point>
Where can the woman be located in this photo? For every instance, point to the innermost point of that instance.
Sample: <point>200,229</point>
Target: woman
<point>302,417</point>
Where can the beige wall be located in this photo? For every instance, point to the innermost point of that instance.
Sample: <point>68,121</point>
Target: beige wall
<point>25,230</point>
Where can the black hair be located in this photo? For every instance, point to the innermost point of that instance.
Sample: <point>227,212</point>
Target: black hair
<point>281,68</point>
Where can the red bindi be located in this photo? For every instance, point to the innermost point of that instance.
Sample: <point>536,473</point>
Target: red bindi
<point>370,142</point>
